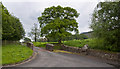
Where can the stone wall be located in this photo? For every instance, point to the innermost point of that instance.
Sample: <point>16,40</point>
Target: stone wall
<point>71,49</point>
<point>103,54</point>
<point>50,47</point>
<point>91,52</point>
<point>30,45</point>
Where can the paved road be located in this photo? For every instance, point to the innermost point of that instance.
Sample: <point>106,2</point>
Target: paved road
<point>51,59</point>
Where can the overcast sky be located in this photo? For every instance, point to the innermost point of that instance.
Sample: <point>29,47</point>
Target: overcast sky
<point>29,10</point>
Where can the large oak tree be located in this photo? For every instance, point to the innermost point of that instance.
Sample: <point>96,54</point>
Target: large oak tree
<point>58,22</point>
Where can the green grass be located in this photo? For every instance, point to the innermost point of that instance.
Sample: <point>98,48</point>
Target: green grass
<point>41,44</point>
<point>15,53</point>
<point>77,43</point>
<point>92,43</point>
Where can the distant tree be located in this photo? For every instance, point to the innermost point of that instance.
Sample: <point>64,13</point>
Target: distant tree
<point>26,39</point>
<point>34,33</point>
<point>12,28</point>
<point>79,36</point>
<point>82,36</point>
<point>43,39</point>
<point>76,36</point>
<point>58,22</point>
<point>106,24</point>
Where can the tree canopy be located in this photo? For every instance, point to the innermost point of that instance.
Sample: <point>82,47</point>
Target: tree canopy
<point>12,28</point>
<point>26,39</point>
<point>106,23</point>
<point>58,22</point>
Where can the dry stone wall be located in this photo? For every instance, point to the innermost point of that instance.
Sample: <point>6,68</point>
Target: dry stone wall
<point>91,52</point>
<point>30,45</point>
<point>50,47</point>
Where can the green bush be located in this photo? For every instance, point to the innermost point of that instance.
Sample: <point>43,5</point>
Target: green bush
<point>96,44</point>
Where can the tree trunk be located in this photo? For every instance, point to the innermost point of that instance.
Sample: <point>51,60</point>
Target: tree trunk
<point>35,37</point>
<point>59,41</point>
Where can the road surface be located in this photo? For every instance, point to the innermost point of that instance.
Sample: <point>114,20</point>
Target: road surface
<point>50,59</point>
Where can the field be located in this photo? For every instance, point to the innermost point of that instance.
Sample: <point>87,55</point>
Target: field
<point>92,43</point>
<point>41,44</point>
<point>74,43</point>
<point>77,43</point>
<point>15,53</point>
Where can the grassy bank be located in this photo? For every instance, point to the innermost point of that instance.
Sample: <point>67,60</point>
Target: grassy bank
<point>92,43</point>
<point>15,53</point>
<point>77,43</point>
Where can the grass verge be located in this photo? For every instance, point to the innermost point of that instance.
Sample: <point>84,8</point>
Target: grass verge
<point>15,53</point>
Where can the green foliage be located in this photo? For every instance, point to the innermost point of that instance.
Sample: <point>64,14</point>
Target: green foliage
<point>41,44</point>
<point>75,36</point>
<point>11,26</point>
<point>58,22</point>
<point>92,44</point>
<point>106,24</point>
<point>77,43</point>
<point>15,53</point>
<point>51,39</point>
<point>26,39</point>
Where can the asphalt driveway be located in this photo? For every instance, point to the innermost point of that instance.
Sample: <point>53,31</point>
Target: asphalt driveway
<point>50,59</point>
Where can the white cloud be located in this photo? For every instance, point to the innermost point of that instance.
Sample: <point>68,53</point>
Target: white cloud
<point>29,10</point>
<point>51,0</point>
